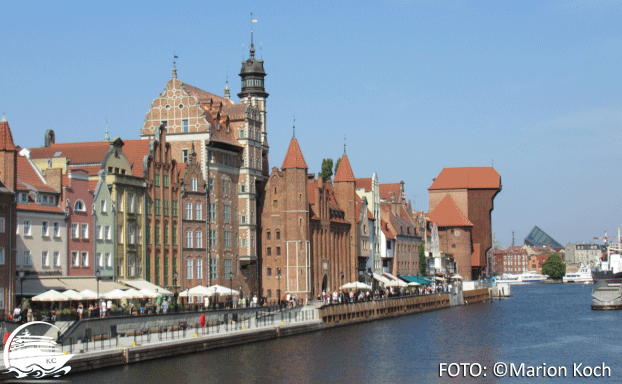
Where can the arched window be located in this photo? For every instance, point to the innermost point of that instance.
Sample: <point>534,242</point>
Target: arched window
<point>79,206</point>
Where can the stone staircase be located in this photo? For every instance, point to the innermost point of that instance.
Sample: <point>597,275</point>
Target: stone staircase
<point>62,325</point>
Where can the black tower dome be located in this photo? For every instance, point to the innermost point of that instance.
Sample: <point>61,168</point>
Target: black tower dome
<point>252,74</point>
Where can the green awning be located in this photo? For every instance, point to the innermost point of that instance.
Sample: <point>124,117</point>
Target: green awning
<point>417,279</point>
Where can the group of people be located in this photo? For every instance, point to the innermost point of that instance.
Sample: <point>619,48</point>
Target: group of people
<point>22,312</point>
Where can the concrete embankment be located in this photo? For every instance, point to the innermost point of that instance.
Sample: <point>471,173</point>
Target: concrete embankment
<point>252,326</point>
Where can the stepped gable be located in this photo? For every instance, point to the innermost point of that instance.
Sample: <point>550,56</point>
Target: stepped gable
<point>294,158</point>
<point>6,137</point>
<point>344,172</point>
<point>447,214</point>
<point>467,178</point>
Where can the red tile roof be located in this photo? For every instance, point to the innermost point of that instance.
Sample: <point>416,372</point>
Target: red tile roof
<point>364,183</point>
<point>467,178</point>
<point>388,190</point>
<point>294,158</point>
<point>135,151</point>
<point>344,172</point>
<point>77,153</point>
<point>28,177</point>
<point>222,136</point>
<point>204,96</point>
<point>39,208</point>
<point>6,138</point>
<point>385,229</point>
<point>447,214</point>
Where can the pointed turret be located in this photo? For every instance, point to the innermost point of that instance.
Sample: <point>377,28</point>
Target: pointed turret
<point>6,138</point>
<point>8,156</point>
<point>294,158</point>
<point>344,172</point>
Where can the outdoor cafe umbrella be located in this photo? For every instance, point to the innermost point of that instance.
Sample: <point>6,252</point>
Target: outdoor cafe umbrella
<point>220,290</point>
<point>355,285</point>
<point>87,294</point>
<point>73,295</point>
<point>456,276</point>
<point>51,295</point>
<point>396,283</point>
<point>114,295</point>
<point>413,284</point>
<point>199,290</point>
<point>134,294</point>
<point>149,293</point>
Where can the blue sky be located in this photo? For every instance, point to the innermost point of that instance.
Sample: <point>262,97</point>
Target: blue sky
<point>415,86</point>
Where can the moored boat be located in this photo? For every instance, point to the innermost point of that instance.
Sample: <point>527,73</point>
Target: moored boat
<point>583,275</point>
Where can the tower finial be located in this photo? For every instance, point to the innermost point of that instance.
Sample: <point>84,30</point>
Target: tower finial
<point>174,67</point>
<point>294,136</point>
<point>193,152</point>
<point>227,94</point>
<point>344,145</point>
<point>107,138</point>
<point>252,50</point>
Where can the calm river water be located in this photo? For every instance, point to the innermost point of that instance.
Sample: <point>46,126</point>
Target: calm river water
<point>548,324</point>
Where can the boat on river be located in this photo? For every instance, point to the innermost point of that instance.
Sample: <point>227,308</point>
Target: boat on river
<point>583,275</point>
<point>527,277</point>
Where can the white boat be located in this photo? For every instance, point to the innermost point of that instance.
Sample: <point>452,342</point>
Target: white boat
<point>583,275</point>
<point>527,277</point>
<point>27,351</point>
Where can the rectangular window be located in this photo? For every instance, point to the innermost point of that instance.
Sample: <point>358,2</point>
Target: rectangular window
<point>85,259</point>
<point>131,234</point>
<point>184,125</point>
<point>269,293</point>
<point>269,251</point>
<point>269,271</point>
<point>278,235</point>
<point>175,210</point>
<point>242,188</point>
<point>102,205</point>
<point>194,184</point>
<point>184,155</point>
<point>131,266</point>
<point>165,235</point>
<point>85,231</point>
<point>212,211</point>
<point>243,219</point>
<point>130,202</point>
<point>45,260</point>
<point>211,184</point>
<point>212,238</point>
<point>158,207</point>
<point>57,259</point>
<point>149,206</point>
<point>227,268</point>
<point>189,269</point>
<point>108,260</point>
<point>156,180</point>
<point>188,239</point>
<point>157,235</point>
<point>199,269</point>
<point>107,233</point>
<point>74,231</point>
<point>165,180</point>
<point>148,235</point>
<point>243,242</point>
<point>241,133</point>
<point>99,261</point>
<point>174,236</point>
<point>99,232</point>
<point>166,207</point>
<point>214,269</point>
<point>278,251</point>
<point>1,255</point>
<point>198,211</point>
<point>56,226</point>
<point>75,262</point>
<point>44,228</point>
<point>228,239</point>
<point>198,239</point>
<point>27,258</point>
<point>188,211</point>
<point>2,225</point>
<point>120,200</point>
<point>227,213</point>
<point>26,227</point>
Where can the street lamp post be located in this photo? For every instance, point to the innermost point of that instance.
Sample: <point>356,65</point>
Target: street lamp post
<point>98,277</point>
<point>175,288</point>
<point>21,281</point>
<point>278,276</point>
<point>231,288</point>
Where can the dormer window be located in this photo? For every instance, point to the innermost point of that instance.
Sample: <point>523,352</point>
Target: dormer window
<point>23,197</point>
<point>79,206</point>
<point>218,125</point>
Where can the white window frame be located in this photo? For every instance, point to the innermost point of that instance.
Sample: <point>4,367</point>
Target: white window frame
<point>79,206</point>
<point>45,229</point>
<point>75,231</point>
<point>189,241</point>
<point>194,184</point>
<point>198,239</point>
<point>100,232</point>
<point>84,231</point>
<point>107,232</point>
<point>198,211</point>
<point>75,259</point>
<point>2,225</point>
<point>199,269</point>
<point>27,227</point>
<point>99,261</point>
<point>56,258</point>
<point>102,205</point>
<point>189,267</point>
<point>2,261</point>
<point>56,228</point>
<point>45,259</point>
<point>27,258</point>
<point>188,211</point>
<point>108,257</point>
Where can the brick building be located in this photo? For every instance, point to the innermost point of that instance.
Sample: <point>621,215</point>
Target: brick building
<point>79,205</point>
<point>472,191</point>
<point>8,215</point>
<point>513,260</point>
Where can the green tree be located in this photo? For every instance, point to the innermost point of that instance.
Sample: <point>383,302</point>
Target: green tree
<point>327,169</point>
<point>337,165</point>
<point>423,264</point>
<point>554,267</point>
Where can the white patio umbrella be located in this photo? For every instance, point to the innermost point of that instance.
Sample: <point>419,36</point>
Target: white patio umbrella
<point>396,283</point>
<point>87,294</point>
<point>149,293</point>
<point>219,289</point>
<point>51,295</point>
<point>114,295</point>
<point>73,295</point>
<point>456,277</point>
<point>438,278</point>
<point>134,294</point>
<point>199,290</point>
<point>355,285</point>
<point>413,284</point>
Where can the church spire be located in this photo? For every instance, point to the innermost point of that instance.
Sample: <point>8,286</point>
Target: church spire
<point>294,128</point>
<point>107,138</point>
<point>227,94</point>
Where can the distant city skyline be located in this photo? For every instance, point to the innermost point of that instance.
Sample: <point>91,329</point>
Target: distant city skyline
<point>414,86</point>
